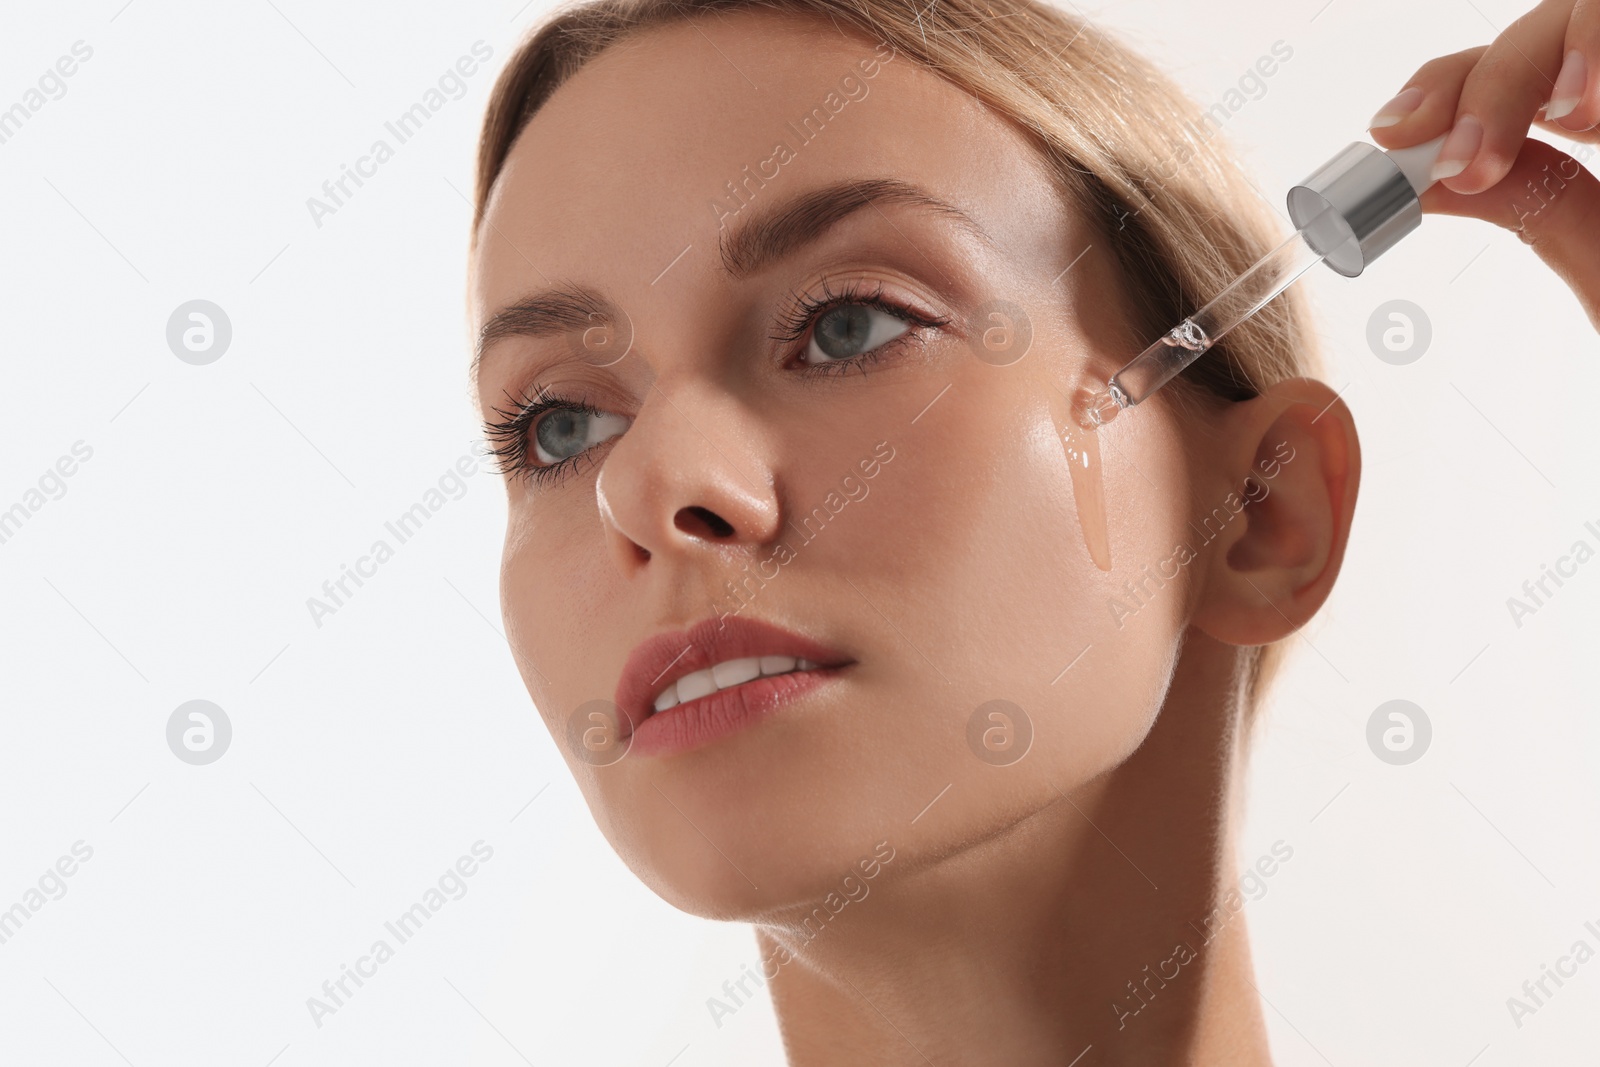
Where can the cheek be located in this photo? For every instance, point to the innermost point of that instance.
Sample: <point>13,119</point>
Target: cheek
<point>551,561</point>
<point>552,568</point>
<point>979,551</point>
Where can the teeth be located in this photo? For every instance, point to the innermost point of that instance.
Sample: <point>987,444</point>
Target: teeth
<point>734,671</point>
<point>695,685</point>
<point>726,675</point>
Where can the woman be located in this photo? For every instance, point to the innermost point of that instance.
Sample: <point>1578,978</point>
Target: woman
<point>785,312</point>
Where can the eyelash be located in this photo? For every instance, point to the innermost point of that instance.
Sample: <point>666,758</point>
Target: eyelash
<point>511,432</point>
<point>510,437</point>
<point>806,310</point>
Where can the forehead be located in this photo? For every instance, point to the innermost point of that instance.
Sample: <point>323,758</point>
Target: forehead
<point>629,173</point>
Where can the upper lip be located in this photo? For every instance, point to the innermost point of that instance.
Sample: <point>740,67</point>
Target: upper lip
<point>659,661</point>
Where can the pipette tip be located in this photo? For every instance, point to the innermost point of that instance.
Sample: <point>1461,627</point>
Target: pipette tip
<point>1100,408</point>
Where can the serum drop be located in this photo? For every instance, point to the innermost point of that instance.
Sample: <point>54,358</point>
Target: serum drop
<point>1082,444</point>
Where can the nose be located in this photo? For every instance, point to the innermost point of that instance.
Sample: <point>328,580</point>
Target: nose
<point>692,471</point>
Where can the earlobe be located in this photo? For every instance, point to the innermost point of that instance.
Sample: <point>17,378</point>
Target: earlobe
<point>1291,457</point>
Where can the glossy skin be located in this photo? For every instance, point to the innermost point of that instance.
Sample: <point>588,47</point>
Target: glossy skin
<point>958,578</point>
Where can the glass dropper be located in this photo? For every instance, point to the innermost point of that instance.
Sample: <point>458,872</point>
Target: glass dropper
<point>1351,210</point>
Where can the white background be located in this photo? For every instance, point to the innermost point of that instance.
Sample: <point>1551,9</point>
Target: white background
<point>371,752</point>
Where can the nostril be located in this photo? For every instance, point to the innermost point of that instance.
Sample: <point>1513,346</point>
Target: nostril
<point>702,522</point>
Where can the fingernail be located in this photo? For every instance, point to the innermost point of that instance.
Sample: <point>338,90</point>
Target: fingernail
<point>1402,105</point>
<point>1569,87</point>
<point>1458,149</point>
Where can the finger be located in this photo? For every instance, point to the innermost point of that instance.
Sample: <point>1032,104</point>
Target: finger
<point>1426,106</point>
<point>1590,136</point>
<point>1553,203</point>
<point>1575,100</point>
<point>1500,98</point>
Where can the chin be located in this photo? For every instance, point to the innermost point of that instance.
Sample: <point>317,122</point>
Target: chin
<point>776,818</point>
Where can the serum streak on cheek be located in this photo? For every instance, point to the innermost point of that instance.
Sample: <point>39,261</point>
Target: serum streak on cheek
<point>1082,446</point>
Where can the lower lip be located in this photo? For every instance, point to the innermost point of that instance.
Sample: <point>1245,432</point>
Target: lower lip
<point>705,719</point>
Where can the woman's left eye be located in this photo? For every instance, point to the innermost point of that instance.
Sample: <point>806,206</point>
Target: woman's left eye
<point>850,330</point>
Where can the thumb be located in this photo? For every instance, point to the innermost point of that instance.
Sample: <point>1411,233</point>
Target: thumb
<point>1553,204</point>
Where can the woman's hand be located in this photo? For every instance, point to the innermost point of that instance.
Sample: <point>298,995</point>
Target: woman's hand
<point>1544,70</point>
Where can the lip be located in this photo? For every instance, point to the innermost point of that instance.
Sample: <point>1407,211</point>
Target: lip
<point>666,657</point>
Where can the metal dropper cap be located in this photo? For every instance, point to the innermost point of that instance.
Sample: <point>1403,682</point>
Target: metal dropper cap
<point>1371,197</point>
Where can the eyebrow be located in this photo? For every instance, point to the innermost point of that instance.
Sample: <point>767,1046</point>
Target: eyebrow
<point>806,217</point>
<point>767,238</point>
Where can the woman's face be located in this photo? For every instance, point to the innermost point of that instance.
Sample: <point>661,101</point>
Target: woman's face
<point>885,478</point>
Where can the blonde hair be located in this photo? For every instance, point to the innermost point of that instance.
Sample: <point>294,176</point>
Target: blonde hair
<point>1114,130</point>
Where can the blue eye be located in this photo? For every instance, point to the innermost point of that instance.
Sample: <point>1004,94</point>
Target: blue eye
<point>540,438</point>
<point>851,327</point>
<point>850,330</point>
<point>566,432</point>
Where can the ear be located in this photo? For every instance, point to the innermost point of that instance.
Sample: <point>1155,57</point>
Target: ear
<point>1293,463</point>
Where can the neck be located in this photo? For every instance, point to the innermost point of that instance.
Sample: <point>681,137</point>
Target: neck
<point>1104,925</point>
